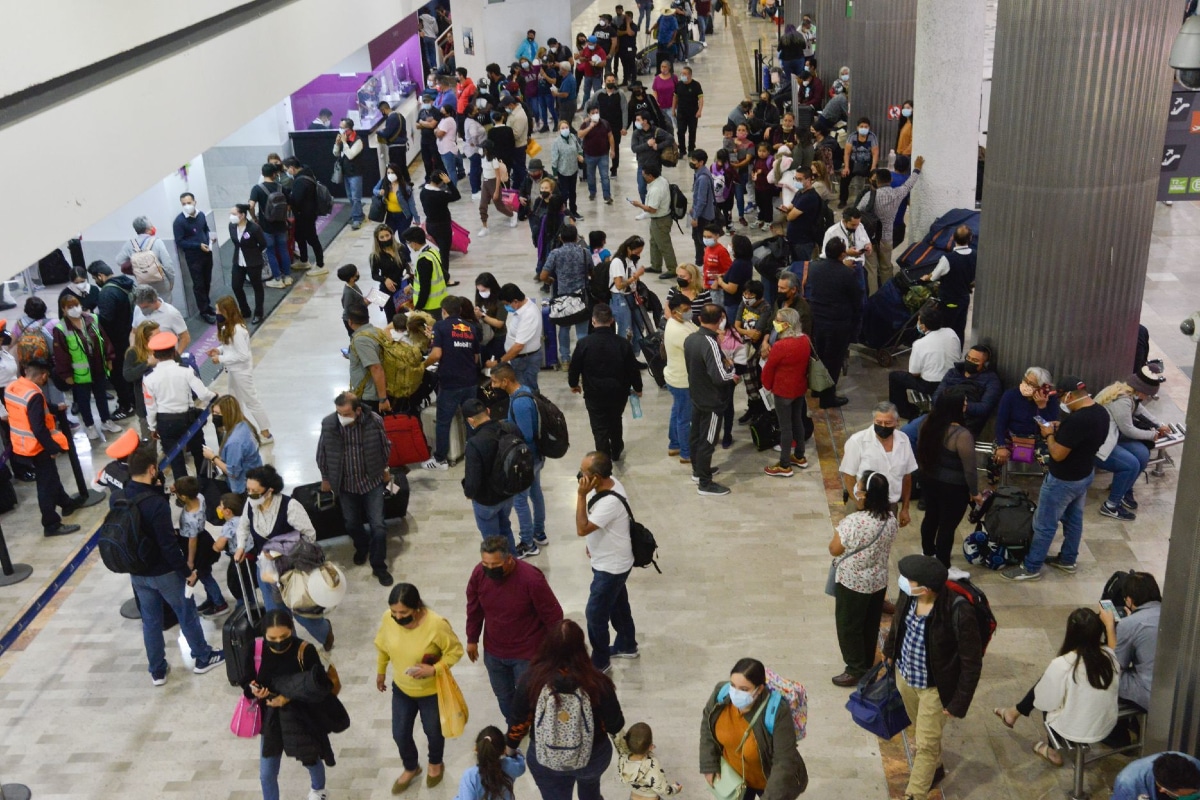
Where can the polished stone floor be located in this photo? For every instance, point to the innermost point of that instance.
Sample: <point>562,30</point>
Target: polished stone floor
<point>742,575</point>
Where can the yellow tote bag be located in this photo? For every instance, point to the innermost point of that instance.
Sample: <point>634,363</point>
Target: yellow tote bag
<point>533,148</point>
<point>452,708</point>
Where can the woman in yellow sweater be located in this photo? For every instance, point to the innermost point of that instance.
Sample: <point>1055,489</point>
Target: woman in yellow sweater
<point>417,643</point>
<point>904,140</point>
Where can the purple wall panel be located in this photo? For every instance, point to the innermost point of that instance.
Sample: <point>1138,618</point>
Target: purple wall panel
<point>335,92</point>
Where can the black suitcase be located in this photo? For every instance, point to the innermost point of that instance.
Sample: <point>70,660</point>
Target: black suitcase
<point>54,268</point>
<point>395,506</point>
<point>240,631</point>
<point>323,510</point>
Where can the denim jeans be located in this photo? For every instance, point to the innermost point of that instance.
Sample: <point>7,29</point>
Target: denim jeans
<point>212,589</point>
<point>278,257</point>
<point>504,674</point>
<point>354,195</point>
<point>912,428</point>
<point>527,368</point>
<point>641,184</point>
<point>154,590</point>
<point>679,430</point>
<point>475,173</point>
<point>494,521</point>
<point>360,508</point>
<point>317,628</point>
<point>593,84</point>
<point>448,403</point>
<point>532,525</point>
<point>564,339</point>
<point>555,785</point>
<point>1126,464</point>
<point>429,51</point>
<point>450,164</point>
<point>608,600</point>
<point>592,165</point>
<point>404,718</point>
<point>623,315</point>
<point>268,776</point>
<point>1058,501</point>
<point>739,196</point>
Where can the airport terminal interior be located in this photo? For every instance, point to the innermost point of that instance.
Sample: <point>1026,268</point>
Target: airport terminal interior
<point>742,574</point>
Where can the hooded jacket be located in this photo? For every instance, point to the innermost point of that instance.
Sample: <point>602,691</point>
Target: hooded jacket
<point>787,777</point>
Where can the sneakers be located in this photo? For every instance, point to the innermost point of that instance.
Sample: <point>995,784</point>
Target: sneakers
<point>1019,573</point>
<point>512,221</point>
<point>60,530</point>
<point>318,794</point>
<point>713,490</point>
<point>608,201</point>
<point>1116,512</point>
<point>956,574</point>
<point>727,442</point>
<point>287,280</point>
<point>299,266</point>
<point>542,541</point>
<point>1129,501</point>
<point>525,550</point>
<point>160,679</point>
<point>93,433</point>
<point>615,653</point>
<point>316,272</point>
<point>1057,562</point>
<point>433,463</point>
<point>274,283</point>
<point>482,233</point>
<point>112,427</point>
<point>474,197</point>
<point>213,610</point>
<point>607,670</point>
<point>204,608</point>
<point>383,576</point>
<point>123,413</point>
<point>776,471</point>
<point>215,659</point>
<point>800,462</point>
<point>713,470</point>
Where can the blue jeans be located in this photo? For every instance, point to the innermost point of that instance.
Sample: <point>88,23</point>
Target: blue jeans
<point>643,20</point>
<point>317,628</point>
<point>527,368</point>
<point>679,430</point>
<point>1058,501</point>
<point>910,430</point>
<point>564,339</point>
<point>504,674</point>
<point>555,785</point>
<point>354,194</point>
<point>429,52</point>
<point>592,165</point>
<point>608,600</point>
<point>278,257</point>
<point>154,590</point>
<point>404,718</point>
<point>623,315</point>
<point>450,164</point>
<point>593,84</point>
<point>739,196</point>
<point>475,173</point>
<point>494,521</point>
<point>532,525</point>
<point>448,403</point>
<point>641,184</point>
<point>212,589</point>
<point>360,508</point>
<point>268,776</point>
<point>1126,464</point>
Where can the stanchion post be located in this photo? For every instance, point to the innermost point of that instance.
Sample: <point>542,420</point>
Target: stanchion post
<point>87,496</point>
<point>14,791</point>
<point>10,573</point>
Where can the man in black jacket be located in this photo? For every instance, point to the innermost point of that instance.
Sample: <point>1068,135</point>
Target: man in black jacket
<point>492,508</point>
<point>835,297</point>
<point>710,383</point>
<point>613,109</point>
<point>193,237</point>
<point>115,308</point>
<point>302,197</point>
<point>163,581</point>
<point>935,645</point>
<point>610,374</point>
<point>391,137</point>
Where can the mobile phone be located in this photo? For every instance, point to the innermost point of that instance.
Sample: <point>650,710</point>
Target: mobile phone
<point>345,352</point>
<point>1041,422</point>
<point>627,200</point>
<point>1108,606</point>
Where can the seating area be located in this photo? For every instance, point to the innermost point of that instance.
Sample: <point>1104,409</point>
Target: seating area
<point>1082,754</point>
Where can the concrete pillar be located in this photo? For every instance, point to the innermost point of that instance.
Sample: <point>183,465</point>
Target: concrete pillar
<point>833,36</point>
<point>883,46</point>
<point>1072,172</point>
<point>948,83</point>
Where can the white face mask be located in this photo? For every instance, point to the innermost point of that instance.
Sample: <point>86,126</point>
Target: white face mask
<point>595,117</point>
<point>189,209</point>
<point>740,698</point>
<point>78,288</point>
<point>346,422</point>
<point>391,176</point>
<point>863,131</point>
<point>844,77</point>
<point>75,312</point>
<point>256,502</point>
<point>234,219</point>
<point>397,336</point>
<point>565,132</point>
<point>485,293</point>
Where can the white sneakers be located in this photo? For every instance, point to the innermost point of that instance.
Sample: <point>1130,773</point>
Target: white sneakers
<point>93,433</point>
<point>956,574</point>
<point>433,463</point>
<point>512,221</point>
<point>316,272</point>
<point>482,232</point>
<point>274,283</point>
<point>475,197</point>
<point>112,427</point>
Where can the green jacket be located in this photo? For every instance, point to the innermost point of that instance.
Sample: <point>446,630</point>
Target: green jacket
<point>787,777</point>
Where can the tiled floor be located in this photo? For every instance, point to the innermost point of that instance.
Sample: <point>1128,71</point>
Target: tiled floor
<point>743,575</point>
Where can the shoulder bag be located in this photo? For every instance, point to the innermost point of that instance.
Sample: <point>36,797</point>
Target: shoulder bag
<point>247,714</point>
<point>819,379</point>
<point>730,785</point>
<point>831,581</point>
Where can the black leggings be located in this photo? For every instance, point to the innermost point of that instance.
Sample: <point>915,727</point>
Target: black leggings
<point>945,505</point>
<point>254,273</point>
<point>441,233</point>
<point>306,234</point>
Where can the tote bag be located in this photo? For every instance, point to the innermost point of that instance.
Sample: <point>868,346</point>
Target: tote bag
<point>730,785</point>
<point>452,708</point>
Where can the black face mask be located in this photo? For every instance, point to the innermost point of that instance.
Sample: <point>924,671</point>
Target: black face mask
<point>884,432</point>
<point>966,367</point>
<point>495,573</point>
<point>402,621</point>
<point>220,319</point>
<point>545,195</point>
<point>683,282</point>
<point>280,647</point>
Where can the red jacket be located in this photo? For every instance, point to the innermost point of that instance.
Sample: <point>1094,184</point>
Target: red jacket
<point>786,372</point>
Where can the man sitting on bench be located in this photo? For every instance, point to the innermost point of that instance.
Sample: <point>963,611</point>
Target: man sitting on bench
<point>1137,638</point>
<point>978,383</point>
<point>933,355</point>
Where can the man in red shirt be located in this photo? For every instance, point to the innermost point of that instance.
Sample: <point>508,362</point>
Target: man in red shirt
<point>515,600</point>
<point>592,59</point>
<point>716,258</point>
<point>465,91</point>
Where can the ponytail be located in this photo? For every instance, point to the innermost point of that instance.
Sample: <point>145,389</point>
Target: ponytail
<point>489,747</point>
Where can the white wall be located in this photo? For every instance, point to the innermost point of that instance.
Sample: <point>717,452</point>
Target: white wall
<point>358,61</point>
<point>123,159</point>
<point>504,26</point>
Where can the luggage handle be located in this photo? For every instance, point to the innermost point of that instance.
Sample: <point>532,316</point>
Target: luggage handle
<point>249,595</point>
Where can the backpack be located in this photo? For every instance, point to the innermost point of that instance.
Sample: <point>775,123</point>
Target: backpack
<point>146,266</point>
<point>669,154</point>
<point>827,220</point>
<point>983,609</point>
<point>124,545</point>
<point>679,205</point>
<point>563,729</point>
<point>640,537</point>
<point>32,344</point>
<point>403,366</point>
<point>324,200</point>
<point>1008,517</point>
<point>275,209</point>
<point>512,471</point>
<point>598,281</point>
<point>1114,588</point>
<point>553,440</point>
<point>870,220</point>
<point>791,691</point>
<point>771,257</point>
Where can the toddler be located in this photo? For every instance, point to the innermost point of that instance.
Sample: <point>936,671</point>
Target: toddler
<point>638,767</point>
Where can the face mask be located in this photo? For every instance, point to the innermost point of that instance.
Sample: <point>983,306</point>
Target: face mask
<point>234,219</point>
<point>485,293</point>
<point>709,241</point>
<point>509,309</point>
<point>495,573</point>
<point>75,312</point>
<point>402,621</point>
<point>740,698</point>
<point>610,86</point>
<point>524,65</point>
<point>633,258</point>
<point>779,327</point>
<point>683,282</point>
<point>721,327</point>
<point>1027,390</point>
<point>189,209</point>
<point>255,502</point>
<point>426,105</point>
<point>863,131</point>
<point>78,288</point>
<point>844,77</point>
<point>905,586</point>
<point>966,367</point>
<point>280,647</point>
<point>391,176</point>
<point>637,125</point>
<point>565,132</point>
<point>750,301</point>
<point>686,78</point>
<point>883,432</point>
<point>594,117</point>
<point>346,422</point>
<point>906,112</point>
<point>545,195</point>
<point>1064,405</point>
<point>741,134</point>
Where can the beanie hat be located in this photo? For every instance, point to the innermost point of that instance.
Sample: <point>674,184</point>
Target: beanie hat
<point>1145,381</point>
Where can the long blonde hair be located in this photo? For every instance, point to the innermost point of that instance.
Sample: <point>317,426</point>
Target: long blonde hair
<point>1114,391</point>
<point>694,282</point>
<point>141,340</point>
<point>231,415</point>
<point>228,308</point>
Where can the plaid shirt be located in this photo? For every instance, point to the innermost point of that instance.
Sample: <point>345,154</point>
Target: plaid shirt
<point>914,661</point>
<point>887,203</point>
<point>354,467</point>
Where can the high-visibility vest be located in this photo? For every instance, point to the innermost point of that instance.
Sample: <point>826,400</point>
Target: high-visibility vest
<point>16,400</point>
<point>80,366</point>
<point>437,281</point>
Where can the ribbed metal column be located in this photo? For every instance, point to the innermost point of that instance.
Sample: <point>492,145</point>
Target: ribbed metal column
<point>833,36</point>
<point>1072,172</point>
<point>884,46</point>
<point>792,12</point>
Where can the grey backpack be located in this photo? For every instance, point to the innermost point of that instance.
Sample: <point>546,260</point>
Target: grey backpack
<point>563,729</point>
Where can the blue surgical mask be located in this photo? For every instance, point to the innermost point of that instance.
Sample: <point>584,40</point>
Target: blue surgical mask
<point>709,241</point>
<point>906,112</point>
<point>740,698</point>
<point>863,131</point>
<point>509,309</point>
<point>905,586</point>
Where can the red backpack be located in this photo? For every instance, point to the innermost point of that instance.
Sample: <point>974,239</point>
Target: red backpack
<point>983,609</point>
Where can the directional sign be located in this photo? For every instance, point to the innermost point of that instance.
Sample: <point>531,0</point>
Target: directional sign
<point>893,112</point>
<point>1179,176</point>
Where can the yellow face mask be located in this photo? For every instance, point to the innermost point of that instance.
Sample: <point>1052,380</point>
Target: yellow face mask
<point>780,327</point>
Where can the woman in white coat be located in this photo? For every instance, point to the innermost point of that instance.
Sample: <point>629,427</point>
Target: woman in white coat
<point>234,354</point>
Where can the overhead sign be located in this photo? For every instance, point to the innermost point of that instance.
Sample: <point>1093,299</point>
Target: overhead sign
<point>1179,178</point>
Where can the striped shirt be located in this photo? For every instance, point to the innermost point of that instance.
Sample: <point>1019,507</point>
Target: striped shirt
<point>354,466</point>
<point>914,661</point>
<point>887,203</point>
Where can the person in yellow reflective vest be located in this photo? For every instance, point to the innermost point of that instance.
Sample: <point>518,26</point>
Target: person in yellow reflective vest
<point>429,278</point>
<point>36,441</point>
<point>83,359</point>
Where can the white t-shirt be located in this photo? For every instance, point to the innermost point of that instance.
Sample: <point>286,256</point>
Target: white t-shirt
<point>857,238</point>
<point>449,142</point>
<point>489,168</point>
<point>167,317</point>
<point>864,452</point>
<point>934,354</point>
<point>524,325</point>
<point>617,269</point>
<point>609,544</point>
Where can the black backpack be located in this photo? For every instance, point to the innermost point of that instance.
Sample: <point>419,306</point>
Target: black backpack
<point>598,282</point>
<point>124,544</point>
<point>324,200</point>
<point>275,209</point>
<point>553,440</point>
<point>640,537</point>
<point>870,220</point>
<point>980,605</point>
<point>679,205</point>
<point>1114,588</point>
<point>512,471</point>
<point>827,220</point>
<point>1008,517</point>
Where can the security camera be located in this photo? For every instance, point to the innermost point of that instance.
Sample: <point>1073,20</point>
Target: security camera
<point>1191,327</point>
<point>1185,53</point>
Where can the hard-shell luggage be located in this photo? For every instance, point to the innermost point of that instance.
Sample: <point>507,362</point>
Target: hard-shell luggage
<point>395,497</point>
<point>322,510</point>
<point>458,433</point>
<point>408,440</point>
<point>241,629</point>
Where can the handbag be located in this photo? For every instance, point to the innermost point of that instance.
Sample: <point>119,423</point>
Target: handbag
<point>533,148</point>
<point>452,708</point>
<point>247,714</point>
<point>819,379</point>
<point>730,785</point>
<point>876,704</point>
<point>1023,449</point>
<point>569,309</point>
<point>378,210</point>
<point>831,581</point>
<point>336,177</point>
<point>511,198</point>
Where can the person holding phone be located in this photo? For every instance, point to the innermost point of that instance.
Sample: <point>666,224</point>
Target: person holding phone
<point>417,643</point>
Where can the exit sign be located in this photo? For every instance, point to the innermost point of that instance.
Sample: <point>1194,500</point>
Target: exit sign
<point>849,9</point>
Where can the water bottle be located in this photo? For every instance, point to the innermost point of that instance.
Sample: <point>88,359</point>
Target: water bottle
<point>635,405</point>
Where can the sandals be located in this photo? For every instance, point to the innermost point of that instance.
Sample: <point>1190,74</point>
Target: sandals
<point>999,712</point>
<point>399,786</point>
<point>1044,750</point>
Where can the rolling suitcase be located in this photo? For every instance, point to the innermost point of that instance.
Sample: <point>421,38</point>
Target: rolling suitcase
<point>549,339</point>
<point>408,440</point>
<point>395,498</point>
<point>322,508</point>
<point>458,434</point>
<point>241,629</point>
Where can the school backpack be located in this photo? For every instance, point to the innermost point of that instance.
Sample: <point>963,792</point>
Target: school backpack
<point>146,266</point>
<point>403,366</point>
<point>275,209</point>
<point>512,471</point>
<point>983,609</point>
<point>1114,588</point>
<point>563,729</point>
<point>598,281</point>
<point>553,440</point>
<point>640,537</point>
<point>125,545</point>
<point>32,343</point>
<point>679,203</point>
<point>324,200</point>
<point>870,220</point>
<point>792,691</point>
